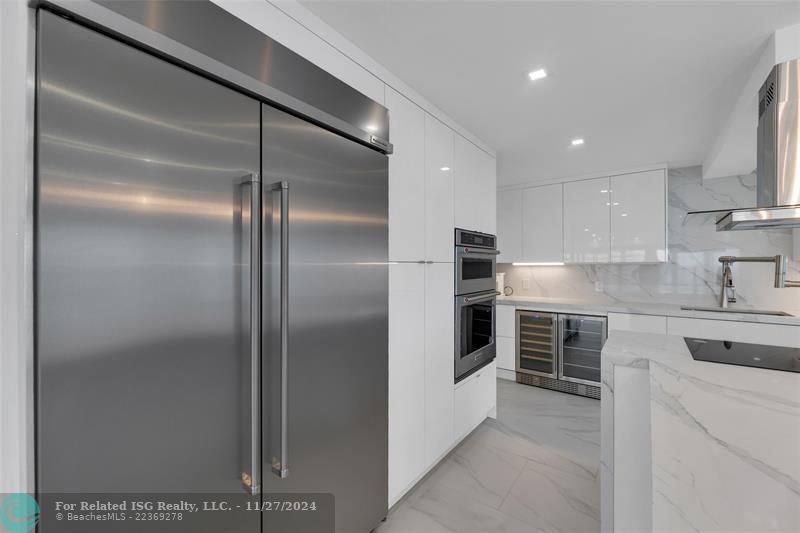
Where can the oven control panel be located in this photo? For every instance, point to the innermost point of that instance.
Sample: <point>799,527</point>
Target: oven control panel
<point>473,238</point>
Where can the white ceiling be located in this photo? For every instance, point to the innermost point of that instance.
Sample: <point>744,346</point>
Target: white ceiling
<point>643,82</point>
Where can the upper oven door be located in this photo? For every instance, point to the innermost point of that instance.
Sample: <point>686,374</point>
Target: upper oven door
<point>475,269</point>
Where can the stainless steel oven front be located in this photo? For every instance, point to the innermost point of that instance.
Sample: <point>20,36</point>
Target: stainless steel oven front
<point>476,262</point>
<point>475,332</point>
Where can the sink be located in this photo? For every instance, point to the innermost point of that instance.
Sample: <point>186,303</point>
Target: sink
<point>741,311</point>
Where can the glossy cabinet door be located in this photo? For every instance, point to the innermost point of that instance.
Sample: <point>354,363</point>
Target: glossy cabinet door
<point>406,179</point>
<point>505,318</point>
<point>509,226</point>
<point>638,217</point>
<point>640,323</point>
<point>475,188</point>
<point>439,200</point>
<point>543,224</point>
<point>487,185</point>
<point>587,226</point>
<point>581,341</point>
<point>506,355</point>
<point>439,360</point>
<point>474,398</point>
<point>406,376</point>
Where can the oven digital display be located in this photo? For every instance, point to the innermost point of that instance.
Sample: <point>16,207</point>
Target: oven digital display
<point>477,240</point>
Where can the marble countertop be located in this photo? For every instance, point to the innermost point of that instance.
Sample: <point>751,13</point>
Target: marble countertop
<point>723,444</point>
<point>568,305</point>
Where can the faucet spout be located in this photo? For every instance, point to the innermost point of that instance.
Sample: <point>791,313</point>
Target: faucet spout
<point>728,295</point>
<point>728,291</point>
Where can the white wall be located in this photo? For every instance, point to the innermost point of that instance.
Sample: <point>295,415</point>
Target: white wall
<point>16,183</point>
<point>733,150</point>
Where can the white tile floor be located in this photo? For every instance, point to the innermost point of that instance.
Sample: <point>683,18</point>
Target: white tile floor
<point>533,469</point>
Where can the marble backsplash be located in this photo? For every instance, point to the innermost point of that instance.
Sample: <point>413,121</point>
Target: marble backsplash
<point>693,274</point>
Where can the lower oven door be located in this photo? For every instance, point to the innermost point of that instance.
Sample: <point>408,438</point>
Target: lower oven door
<point>475,332</point>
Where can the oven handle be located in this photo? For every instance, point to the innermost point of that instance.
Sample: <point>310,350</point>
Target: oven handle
<point>480,251</point>
<point>478,299</point>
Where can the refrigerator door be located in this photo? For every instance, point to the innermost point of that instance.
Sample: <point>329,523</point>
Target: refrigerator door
<point>325,318</point>
<point>143,274</point>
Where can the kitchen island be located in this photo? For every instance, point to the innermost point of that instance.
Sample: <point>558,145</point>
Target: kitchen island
<point>695,446</point>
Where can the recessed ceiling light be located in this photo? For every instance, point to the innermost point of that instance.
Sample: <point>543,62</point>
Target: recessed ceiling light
<point>577,142</point>
<point>444,169</point>
<point>371,127</point>
<point>624,214</point>
<point>537,74</point>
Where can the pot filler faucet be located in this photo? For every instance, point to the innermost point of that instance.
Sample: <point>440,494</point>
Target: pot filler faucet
<point>728,293</point>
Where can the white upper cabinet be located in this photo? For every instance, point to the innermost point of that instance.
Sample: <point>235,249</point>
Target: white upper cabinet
<point>509,226</point>
<point>587,227</point>
<point>406,179</point>
<point>439,193</point>
<point>475,188</point>
<point>542,224</point>
<point>638,217</point>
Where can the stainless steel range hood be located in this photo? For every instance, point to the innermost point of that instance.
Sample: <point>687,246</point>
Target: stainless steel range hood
<point>778,155</point>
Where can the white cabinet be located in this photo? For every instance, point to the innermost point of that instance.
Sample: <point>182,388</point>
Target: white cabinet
<point>736,331</point>
<point>406,179</point>
<point>475,188</point>
<point>617,219</point>
<point>506,327</point>
<point>506,353</point>
<point>421,184</point>
<point>439,190</point>
<point>475,397</point>
<point>638,217</point>
<point>509,226</point>
<point>542,224</point>
<point>640,323</point>
<point>506,316</point>
<point>406,377</point>
<point>439,349</point>
<point>586,221</point>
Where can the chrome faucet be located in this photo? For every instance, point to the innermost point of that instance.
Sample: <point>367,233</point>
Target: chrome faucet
<point>728,294</point>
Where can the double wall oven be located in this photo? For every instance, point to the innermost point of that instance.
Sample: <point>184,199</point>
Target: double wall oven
<point>475,294</point>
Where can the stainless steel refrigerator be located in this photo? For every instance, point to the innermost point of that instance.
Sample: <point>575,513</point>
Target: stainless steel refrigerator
<point>182,343</point>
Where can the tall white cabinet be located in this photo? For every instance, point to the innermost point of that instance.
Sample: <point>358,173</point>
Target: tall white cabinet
<point>424,189</point>
<point>406,376</point>
<point>406,179</point>
<point>439,191</point>
<point>439,349</point>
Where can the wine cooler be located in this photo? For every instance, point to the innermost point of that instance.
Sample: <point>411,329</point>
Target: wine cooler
<point>560,351</point>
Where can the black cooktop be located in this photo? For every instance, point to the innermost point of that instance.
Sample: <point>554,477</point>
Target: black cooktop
<point>744,354</point>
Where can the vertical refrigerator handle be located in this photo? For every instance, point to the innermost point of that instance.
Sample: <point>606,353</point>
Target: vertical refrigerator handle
<point>252,480</point>
<point>280,464</point>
